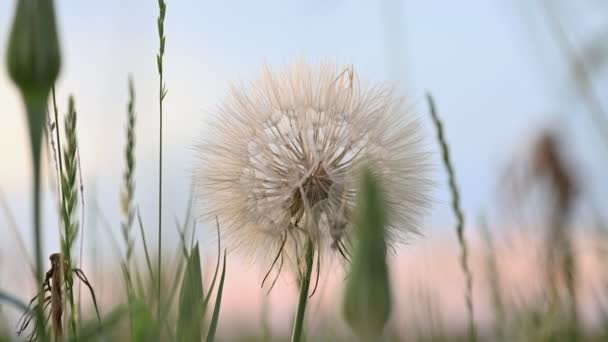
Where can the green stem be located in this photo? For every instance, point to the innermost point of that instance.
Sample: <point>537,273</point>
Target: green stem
<point>40,324</point>
<point>304,286</point>
<point>36,125</point>
<point>160,193</point>
<point>70,293</point>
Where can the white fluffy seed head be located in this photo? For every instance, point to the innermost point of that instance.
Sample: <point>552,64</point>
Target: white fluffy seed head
<point>281,160</point>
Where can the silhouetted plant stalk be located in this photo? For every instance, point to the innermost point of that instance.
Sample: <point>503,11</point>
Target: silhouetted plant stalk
<point>464,259</point>
<point>33,61</point>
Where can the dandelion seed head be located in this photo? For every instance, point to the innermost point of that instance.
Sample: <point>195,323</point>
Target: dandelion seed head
<point>280,162</point>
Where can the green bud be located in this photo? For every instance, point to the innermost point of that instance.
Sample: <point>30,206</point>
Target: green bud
<point>33,56</point>
<point>367,299</point>
<point>33,61</point>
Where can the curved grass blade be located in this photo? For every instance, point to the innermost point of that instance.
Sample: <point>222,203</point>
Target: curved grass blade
<point>217,267</point>
<point>145,327</point>
<point>145,243</point>
<point>190,311</point>
<point>218,303</point>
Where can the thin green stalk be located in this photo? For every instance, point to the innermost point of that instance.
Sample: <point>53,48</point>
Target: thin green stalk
<point>40,322</point>
<point>303,299</point>
<point>162,93</point>
<point>218,304</point>
<point>464,262</point>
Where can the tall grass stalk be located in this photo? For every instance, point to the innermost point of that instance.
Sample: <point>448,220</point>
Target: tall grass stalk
<point>69,201</point>
<point>298,325</point>
<point>218,302</point>
<point>162,6</point>
<point>126,196</point>
<point>464,262</point>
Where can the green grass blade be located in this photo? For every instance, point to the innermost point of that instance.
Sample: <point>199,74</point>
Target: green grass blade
<point>218,303</point>
<point>181,232</point>
<point>145,328</point>
<point>190,311</point>
<point>143,239</point>
<point>217,265</point>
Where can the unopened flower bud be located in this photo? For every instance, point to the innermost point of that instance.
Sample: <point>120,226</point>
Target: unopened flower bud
<point>367,295</point>
<point>33,56</point>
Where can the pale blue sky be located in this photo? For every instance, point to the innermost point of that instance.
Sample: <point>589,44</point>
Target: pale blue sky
<point>493,72</point>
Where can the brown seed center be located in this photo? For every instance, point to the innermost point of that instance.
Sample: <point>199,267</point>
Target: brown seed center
<point>313,189</point>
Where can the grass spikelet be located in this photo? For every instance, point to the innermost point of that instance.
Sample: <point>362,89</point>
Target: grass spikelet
<point>464,256</point>
<point>69,201</point>
<point>126,196</point>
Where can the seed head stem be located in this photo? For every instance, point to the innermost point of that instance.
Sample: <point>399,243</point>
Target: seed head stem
<point>303,299</point>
